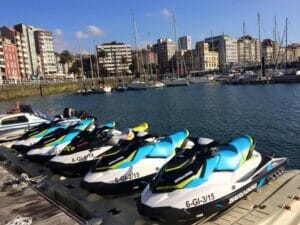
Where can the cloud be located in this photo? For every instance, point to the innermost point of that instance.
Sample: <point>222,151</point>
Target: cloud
<point>60,44</point>
<point>166,12</point>
<point>94,30</point>
<point>58,32</point>
<point>79,35</point>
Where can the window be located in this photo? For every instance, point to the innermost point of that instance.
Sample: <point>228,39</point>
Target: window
<point>13,120</point>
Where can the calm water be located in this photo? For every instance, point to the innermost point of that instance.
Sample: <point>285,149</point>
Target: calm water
<point>270,113</point>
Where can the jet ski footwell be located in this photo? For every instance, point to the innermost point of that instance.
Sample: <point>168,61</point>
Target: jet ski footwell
<point>262,207</point>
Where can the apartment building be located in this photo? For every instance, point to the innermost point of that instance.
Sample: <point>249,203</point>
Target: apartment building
<point>165,49</point>
<point>27,53</point>
<point>201,58</point>
<point>46,54</point>
<point>185,43</point>
<point>226,46</point>
<point>2,66</point>
<point>248,50</point>
<point>10,55</point>
<point>115,57</point>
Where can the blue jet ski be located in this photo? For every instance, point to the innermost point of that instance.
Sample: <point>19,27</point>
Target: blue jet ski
<point>200,182</point>
<point>127,168</point>
<point>54,143</point>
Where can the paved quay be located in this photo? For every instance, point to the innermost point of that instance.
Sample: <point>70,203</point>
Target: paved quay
<point>275,203</point>
<point>26,202</point>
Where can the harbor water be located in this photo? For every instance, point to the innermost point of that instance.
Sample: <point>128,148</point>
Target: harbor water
<point>269,113</point>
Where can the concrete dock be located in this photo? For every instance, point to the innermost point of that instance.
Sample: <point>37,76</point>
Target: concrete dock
<point>26,202</point>
<point>275,203</point>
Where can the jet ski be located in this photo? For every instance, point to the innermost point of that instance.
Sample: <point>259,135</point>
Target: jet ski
<point>197,184</point>
<point>77,158</point>
<point>130,165</point>
<point>55,142</point>
<point>35,134</point>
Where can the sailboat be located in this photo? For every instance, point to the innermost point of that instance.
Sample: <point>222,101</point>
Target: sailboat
<point>137,84</point>
<point>176,81</point>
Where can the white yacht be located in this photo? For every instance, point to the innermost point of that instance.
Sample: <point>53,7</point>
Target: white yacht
<point>17,122</point>
<point>137,85</point>
<point>157,84</point>
<point>202,79</point>
<point>105,89</point>
<point>176,82</point>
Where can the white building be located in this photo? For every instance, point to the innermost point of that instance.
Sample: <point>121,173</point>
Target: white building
<point>27,54</point>
<point>45,49</point>
<point>249,50</point>
<point>226,46</point>
<point>165,49</point>
<point>116,58</point>
<point>185,43</point>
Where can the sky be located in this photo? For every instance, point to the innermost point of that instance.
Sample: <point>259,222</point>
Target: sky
<point>81,23</point>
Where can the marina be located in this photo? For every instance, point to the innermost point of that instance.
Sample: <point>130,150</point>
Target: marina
<point>150,113</point>
<point>259,207</point>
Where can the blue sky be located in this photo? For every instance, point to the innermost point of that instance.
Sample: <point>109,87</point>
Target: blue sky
<point>104,21</point>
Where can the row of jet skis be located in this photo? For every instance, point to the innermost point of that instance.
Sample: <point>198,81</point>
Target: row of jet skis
<point>182,177</point>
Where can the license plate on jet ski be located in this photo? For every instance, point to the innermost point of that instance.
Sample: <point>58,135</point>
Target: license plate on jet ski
<point>127,177</point>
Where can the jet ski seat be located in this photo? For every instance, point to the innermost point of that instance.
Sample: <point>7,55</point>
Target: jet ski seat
<point>233,155</point>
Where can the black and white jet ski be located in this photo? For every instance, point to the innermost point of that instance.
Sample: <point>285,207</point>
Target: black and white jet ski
<point>196,184</point>
<point>55,142</point>
<point>130,165</point>
<point>35,134</point>
<point>77,158</point>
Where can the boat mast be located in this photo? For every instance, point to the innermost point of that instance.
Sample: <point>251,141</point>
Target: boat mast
<point>81,59</point>
<point>135,43</point>
<point>97,62</point>
<point>286,43</point>
<point>175,36</point>
<point>260,45</point>
<point>91,65</point>
<point>244,44</point>
<point>147,58</point>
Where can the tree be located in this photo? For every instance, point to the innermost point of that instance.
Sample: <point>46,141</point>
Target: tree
<point>76,67</point>
<point>102,55</point>
<point>66,58</point>
<point>123,62</point>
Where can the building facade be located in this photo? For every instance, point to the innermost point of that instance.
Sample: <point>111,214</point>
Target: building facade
<point>294,52</point>
<point>145,61</point>
<point>11,64</point>
<point>226,46</point>
<point>271,52</point>
<point>185,43</point>
<point>2,66</point>
<point>201,58</point>
<point>115,57</point>
<point>27,53</point>
<point>165,49</point>
<point>46,54</point>
<point>248,50</point>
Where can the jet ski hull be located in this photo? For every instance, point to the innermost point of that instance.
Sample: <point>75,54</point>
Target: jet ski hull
<point>197,209</point>
<point>41,159</point>
<point>71,169</point>
<point>117,189</point>
<point>23,149</point>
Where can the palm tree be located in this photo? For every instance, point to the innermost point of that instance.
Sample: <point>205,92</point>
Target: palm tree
<point>66,58</point>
